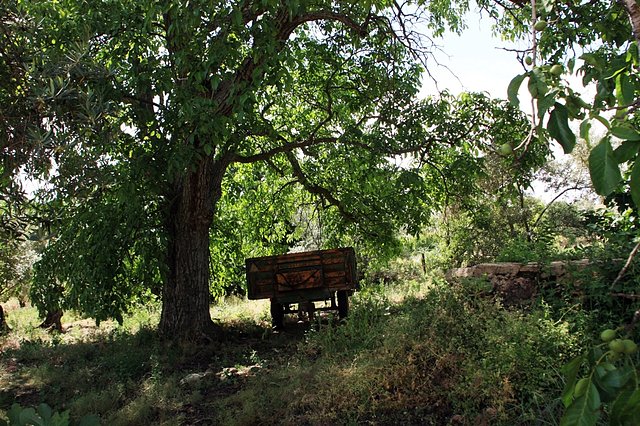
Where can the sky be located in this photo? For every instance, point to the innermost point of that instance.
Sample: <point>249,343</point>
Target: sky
<point>477,61</point>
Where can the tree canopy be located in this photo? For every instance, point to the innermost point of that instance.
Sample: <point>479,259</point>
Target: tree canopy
<point>176,137</point>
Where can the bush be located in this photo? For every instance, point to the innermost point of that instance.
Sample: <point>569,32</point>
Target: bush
<point>425,361</point>
<point>43,415</point>
<point>609,386</point>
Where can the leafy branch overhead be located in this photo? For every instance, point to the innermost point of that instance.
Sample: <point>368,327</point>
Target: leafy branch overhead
<point>608,61</point>
<point>147,120</point>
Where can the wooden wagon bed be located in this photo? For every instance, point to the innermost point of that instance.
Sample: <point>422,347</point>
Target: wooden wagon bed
<point>303,278</point>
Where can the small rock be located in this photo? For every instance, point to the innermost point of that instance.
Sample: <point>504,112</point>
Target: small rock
<point>457,419</point>
<point>193,378</point>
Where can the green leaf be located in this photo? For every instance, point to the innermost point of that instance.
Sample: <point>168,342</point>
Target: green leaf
<point>616,413</point>
<point>585,126</point>
<point>579,414</point>
<point>90,420</point>
<point>514,88</point>
<point>592,60</point>
<point>537,86</point>
<point>626,151</point>
<point>632,409</point>
<point>593,397</point>
<point>602,120</point>
<point>570,371</point>
<point>632,53</point>
<point>62,419</point>
<point>625,132</point>
<point>603,168</point>
<point>14,413</point>
<point>558,127</point>
<point>548,5</point>
<point>45,411</point>
<point>28,416</point>
<point>624,90</point>
<point>604,90</point>
<point>532,85</point>
<point>545,103</point>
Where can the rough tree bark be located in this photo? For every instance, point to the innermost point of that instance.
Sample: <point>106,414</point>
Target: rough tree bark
<point>633,10</point>
<point>186,300</point>
<point>4,327</point>
<point>53,321</point>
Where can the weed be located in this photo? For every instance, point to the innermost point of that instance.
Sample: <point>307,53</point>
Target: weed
<point>438,354</point>
<point>417,353</point>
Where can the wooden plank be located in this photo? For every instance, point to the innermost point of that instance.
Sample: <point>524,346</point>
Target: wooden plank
<point>288,281</point>
<point>295,273</point>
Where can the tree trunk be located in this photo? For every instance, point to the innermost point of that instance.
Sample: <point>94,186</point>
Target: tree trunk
<point>633,10</point>
<point>186,297</point>
<point>4,327</point>
<point>53,321</point>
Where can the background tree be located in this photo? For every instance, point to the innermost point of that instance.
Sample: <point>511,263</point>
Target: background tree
<point>607,35</point>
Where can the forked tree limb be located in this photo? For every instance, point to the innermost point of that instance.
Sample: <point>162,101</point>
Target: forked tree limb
<point>626,265</point>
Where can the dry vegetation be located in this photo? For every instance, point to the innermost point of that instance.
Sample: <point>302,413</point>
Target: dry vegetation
<point>421,352</point>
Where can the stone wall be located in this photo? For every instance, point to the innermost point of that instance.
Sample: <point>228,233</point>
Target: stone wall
<point>517,282</point>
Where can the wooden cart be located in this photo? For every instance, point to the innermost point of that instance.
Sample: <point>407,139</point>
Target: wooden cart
<point>302,279</point>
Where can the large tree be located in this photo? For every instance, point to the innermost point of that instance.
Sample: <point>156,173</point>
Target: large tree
<point>147,111</point>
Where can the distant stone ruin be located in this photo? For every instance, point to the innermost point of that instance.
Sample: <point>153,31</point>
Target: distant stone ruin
<point>516,283</point>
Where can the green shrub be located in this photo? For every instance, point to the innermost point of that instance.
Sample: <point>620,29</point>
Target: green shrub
<point>520,249</point>
<point>43,415</point>
<point>424,360</point>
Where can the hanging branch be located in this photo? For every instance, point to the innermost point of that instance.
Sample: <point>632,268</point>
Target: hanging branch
<point>544,210</point>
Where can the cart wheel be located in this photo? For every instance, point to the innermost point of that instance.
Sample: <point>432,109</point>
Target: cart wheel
<point>277,315</point>
<point>343,304</point>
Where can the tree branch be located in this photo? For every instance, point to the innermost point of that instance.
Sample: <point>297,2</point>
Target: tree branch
<point>573,188</point>
<point>286,25</point>
<point>286,147</point>
<point>626,265</point>
<point>317,189</point>
<point>323,15</point>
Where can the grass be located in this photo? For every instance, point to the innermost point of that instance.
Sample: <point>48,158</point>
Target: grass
<point>124,373</point>
<point>417,353</point>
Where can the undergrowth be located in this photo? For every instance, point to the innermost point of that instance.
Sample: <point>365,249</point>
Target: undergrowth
<point>421,352</point>
<point>442,356</point>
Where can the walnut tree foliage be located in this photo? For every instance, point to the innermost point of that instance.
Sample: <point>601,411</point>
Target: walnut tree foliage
<point>177,137</point>
<point>598,41</point>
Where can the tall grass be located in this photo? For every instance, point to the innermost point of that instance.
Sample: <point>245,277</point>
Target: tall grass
<point>420,352</point>
<point>438,356</point>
